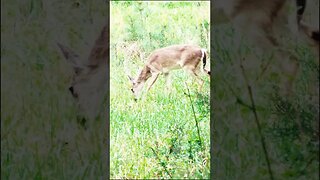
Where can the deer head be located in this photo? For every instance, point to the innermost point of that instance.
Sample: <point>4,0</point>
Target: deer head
<point>89,79</point>
<point>137,84</point>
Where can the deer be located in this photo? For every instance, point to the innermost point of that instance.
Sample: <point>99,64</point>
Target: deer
<point>191,58</point>
<point>89,79</point>
<point>262,21</point>
<point>260,18</point>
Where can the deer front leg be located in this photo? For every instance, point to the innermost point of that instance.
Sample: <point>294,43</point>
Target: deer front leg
<point>153,79</point>
<point>200,81</point>
<point>194,73</point>
<point>289,70</point>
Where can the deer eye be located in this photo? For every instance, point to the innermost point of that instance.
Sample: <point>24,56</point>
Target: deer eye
<point>132,90</point>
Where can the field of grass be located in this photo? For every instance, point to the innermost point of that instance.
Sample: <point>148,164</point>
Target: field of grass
<point>40,137</point>
<point>157,136</point>
<point>289,124</point>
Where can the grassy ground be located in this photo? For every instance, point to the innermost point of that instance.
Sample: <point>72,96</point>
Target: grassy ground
<point>157,137</point>
<point>289,124</point>
<point>40,137</point>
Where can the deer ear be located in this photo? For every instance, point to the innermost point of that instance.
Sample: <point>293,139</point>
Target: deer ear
<point>100,51</point>
<point>131,79</point>
<point>71,57</point>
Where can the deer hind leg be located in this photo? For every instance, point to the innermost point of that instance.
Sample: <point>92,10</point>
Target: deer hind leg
<point>168,80</point>
<point>262,35</point>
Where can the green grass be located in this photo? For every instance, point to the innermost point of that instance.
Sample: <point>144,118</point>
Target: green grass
<point>289,124</point>
<point>156,137</point>
<point>163,122</point>
<point>40,137</point>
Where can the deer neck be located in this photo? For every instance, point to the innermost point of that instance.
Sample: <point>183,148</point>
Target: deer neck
<point>145,73</point>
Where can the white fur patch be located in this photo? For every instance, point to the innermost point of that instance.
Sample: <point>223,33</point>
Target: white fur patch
<point>203,51</point>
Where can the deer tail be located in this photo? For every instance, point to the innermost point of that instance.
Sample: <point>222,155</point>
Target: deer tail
<point>311,32</point>
<point>301,5</point>
<point>204,61</point>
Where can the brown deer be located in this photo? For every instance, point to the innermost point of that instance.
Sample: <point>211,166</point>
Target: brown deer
<point>260,18</point>
<point>163,60</point>
<point>89,81</point>
<point>262,22</point>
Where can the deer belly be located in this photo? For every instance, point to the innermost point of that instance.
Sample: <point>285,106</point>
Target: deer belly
<point>166,69</point>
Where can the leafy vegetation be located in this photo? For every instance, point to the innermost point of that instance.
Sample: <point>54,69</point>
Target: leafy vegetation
<point>40,137</point>
<point>156,137</point>
<point>289,124</point>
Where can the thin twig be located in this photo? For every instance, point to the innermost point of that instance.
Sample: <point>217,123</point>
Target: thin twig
<point>194,114</point>
<point>162,164</point>
<point>264,68</point>
<point>309,163</point>
<point>257,121</point>
<point>239,100</point>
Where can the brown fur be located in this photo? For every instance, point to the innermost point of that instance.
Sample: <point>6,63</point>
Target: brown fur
<point>144,74</point>
<point>188,54</point>
<point>100,50</point>
<point>261,21</point>
<point>89,80</point>
<point>163,60</point>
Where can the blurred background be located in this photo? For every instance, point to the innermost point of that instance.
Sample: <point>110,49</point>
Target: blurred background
<point>40,136</point>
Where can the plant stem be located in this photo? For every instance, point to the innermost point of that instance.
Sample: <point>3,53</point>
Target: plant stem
<point>257,122</point>
<point>194,114</point>
<point>163,165</point>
